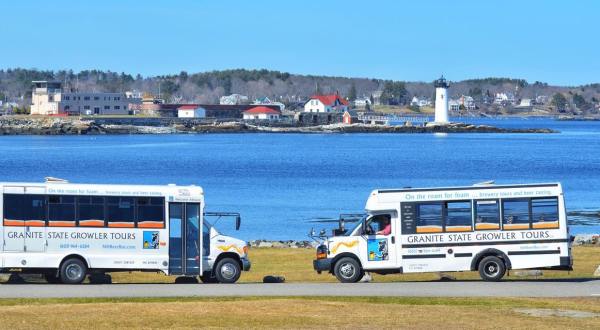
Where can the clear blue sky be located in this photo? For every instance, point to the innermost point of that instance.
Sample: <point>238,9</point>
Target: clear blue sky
<point>551,41</point>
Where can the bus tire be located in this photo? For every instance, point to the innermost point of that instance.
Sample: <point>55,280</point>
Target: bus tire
<point>228,270</point>
<point>348,270</point>
<point>491,268</point>
<point>73,271</point>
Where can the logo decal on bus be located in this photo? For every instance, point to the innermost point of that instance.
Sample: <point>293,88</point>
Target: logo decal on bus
<point>377,249</point>
<point>151,240</point>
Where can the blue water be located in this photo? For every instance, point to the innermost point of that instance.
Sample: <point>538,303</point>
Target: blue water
<point>280,182</point>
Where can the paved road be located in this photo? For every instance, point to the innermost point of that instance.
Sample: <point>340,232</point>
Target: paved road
<point>544,288</point>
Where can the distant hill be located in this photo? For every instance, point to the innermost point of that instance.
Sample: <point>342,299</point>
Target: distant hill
<point>207,87</point>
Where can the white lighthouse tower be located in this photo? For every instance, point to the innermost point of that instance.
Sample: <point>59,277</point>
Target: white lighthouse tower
<point>441,100</point>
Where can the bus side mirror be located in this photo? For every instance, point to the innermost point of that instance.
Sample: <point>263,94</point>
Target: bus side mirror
<point>238,222</point>
<point>363,227</point>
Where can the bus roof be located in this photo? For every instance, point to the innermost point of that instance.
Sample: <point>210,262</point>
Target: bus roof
<point>63,187</point>
<point>473,187</point>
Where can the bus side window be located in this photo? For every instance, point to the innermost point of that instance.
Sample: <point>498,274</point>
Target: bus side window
<point>544,213</point>
<point>150,212</point>
<point>120,212</point>
<point>429,218</point>
<point>458,216</point>
<point>515,214</point>
<point>91,211</point>
<point>487,215</point>
<point>24,210</point>
<point>61,211</point>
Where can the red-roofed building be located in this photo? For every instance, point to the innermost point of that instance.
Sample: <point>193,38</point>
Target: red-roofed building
<point>326,103</point>
<point>261,113</point>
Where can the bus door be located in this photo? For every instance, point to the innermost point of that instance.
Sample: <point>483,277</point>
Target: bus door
<point>379,249</point>
<point>185,239</point>
<point>24,219</point>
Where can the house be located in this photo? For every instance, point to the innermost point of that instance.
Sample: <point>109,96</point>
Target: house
<point>504,99</point>
<point>467,102</point>
<point>420,102</point>
<point>326,103</point>
<point>191,111</point>
<point>233,99</point>
<point>454,105</point>
<point>266,101</point>
<point>350,117</point>
<point>362,102</point>
<point>48,98</point>
<point>261,113</point>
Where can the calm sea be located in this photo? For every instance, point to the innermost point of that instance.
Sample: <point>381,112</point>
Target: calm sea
<point>282,182</point>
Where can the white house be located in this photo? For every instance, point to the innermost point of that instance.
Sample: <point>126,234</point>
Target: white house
<point>420,102</point>
<point>454,105</point>
<point>468,102</point>
<point>326,103</point>
<point>362,102</point>
<point>233,99</point>
<point>191,111</point>
<point>261,113</point>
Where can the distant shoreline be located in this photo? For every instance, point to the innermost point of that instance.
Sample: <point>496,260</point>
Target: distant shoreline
<point>122,126</point>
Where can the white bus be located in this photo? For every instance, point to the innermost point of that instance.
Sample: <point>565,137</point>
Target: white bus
<point>67,231</point>
<point>486,228</point>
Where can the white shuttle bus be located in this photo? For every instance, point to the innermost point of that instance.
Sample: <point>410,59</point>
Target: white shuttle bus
<point>486,228</point>
<point>67,231</point>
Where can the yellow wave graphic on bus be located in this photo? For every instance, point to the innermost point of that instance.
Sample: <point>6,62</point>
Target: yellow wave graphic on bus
<point>226,248</point>
<point>346,244</point>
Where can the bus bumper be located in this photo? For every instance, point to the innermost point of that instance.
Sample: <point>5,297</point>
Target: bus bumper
<point>246,264</point>
<point>322,265</point>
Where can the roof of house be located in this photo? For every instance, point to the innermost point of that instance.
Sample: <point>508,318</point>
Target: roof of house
<point>261,109</point>
<point>329,99</point>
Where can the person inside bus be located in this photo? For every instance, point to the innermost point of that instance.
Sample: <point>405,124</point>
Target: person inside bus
<point>382,222</point>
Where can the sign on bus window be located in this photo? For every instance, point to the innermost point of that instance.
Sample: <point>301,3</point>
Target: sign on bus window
<point>24,210</point>
<point>487,215</point>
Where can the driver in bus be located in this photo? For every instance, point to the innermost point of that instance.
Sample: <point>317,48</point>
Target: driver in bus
<point>386,224</point>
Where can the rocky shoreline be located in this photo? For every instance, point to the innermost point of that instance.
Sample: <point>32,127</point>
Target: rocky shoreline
<point>82,126</point>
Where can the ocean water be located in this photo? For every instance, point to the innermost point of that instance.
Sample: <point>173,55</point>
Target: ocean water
<point>281,183</point>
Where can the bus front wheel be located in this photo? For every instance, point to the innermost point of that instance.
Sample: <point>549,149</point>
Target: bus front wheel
<point>73,271</point>
<point>228,270</point>
<point>491,268</point>
<point>348,270</point>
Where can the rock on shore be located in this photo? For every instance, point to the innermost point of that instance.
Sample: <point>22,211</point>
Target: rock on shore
<point>24,125</point>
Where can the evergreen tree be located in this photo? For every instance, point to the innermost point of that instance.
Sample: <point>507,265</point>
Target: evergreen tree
<point>352,93</point>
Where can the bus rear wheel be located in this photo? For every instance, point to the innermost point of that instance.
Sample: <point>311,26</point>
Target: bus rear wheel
<point>491,268</point>
<point>348,270</point>
<point>73,271</point>
<point>228,270</point>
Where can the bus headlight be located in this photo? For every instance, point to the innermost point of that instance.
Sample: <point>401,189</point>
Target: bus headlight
<point>321,252</point>
<point>246,248</point>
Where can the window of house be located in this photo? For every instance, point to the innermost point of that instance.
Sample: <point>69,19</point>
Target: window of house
<point>86,98</point>
<point>96,98</point>
<point>90,211</point>
<point>61,211</point>
<point>107,107</point>
<point>117,107</point>
<point>487,215</point>
<point>86,107</point>
<point>515,214</point>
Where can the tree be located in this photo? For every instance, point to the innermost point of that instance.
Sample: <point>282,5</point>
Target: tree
<point>394,93</point>
<point>352,93</point>
<point>579,101</point>
<point>559,101</point>
<point>367,106</point>
<point>372,99</point>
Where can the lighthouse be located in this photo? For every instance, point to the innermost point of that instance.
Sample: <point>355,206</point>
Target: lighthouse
<point>441,100</point>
